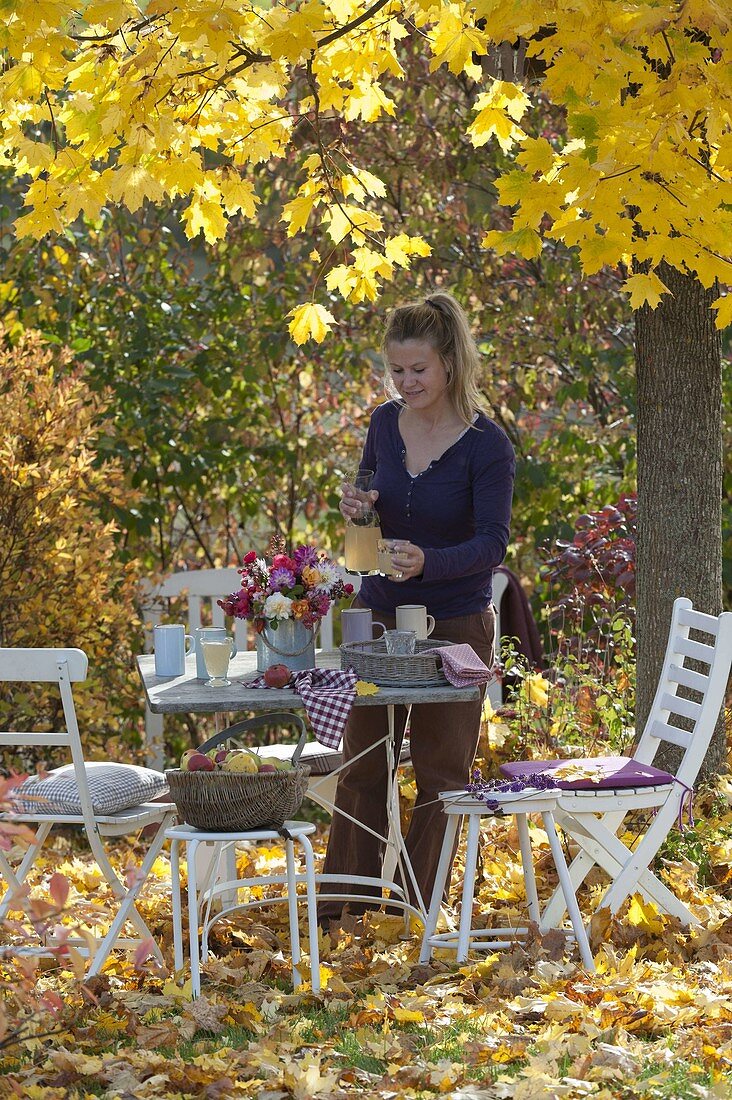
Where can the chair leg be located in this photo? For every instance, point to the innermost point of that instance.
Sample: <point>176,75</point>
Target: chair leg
<point>466,908</point>
<point>579,868</point>
<point>312,911</point>
<point>177,908</point>
<point>127,909</point>
<point>629,870</point>
<point>570,897</point>
<point>117,886</point>
<point>443,869</point>
<point>193,941</point>
<point>292,913</point>
<point>16,878</point>
<point>527,865</point>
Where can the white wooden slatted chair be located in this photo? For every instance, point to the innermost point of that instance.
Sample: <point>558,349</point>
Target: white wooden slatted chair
<point>593,817</point>
<point>108,800</point>
<point>202,589</point>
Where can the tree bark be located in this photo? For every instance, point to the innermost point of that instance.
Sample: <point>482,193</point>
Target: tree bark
<point>679,424</point>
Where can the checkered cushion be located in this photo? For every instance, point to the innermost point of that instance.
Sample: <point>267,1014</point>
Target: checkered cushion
<point>112,787</point>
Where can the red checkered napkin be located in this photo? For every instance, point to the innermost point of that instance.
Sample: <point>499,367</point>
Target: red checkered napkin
<point>327,696</point>
<point>462,665</point>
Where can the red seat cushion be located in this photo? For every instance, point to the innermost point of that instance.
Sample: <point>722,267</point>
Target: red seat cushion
<point>615,771</point>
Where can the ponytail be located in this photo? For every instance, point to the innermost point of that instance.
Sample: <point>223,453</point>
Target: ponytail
<point>441,322</point>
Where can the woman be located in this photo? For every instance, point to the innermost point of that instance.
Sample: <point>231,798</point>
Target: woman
<point>442,487</point>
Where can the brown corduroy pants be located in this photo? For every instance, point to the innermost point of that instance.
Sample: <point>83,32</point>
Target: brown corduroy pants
<point>443,740</point>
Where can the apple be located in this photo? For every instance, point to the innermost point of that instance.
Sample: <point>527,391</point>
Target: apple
<point>274,762</point>
<point>277,676</point>
<point>195,761</point>
<point>218,755</point>
<point>267,768</point>
<point>241,762</point>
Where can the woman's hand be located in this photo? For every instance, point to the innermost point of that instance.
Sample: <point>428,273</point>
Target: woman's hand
<point>354,501</point>
<point>408,559</point>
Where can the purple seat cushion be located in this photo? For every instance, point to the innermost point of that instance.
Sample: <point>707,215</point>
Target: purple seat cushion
<point>615,771</point>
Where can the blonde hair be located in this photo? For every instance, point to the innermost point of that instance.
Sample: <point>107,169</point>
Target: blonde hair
<point>440,321</point>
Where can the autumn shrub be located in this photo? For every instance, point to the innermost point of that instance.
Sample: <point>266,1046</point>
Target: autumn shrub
<point>591,579</point>
<point>62,581</point>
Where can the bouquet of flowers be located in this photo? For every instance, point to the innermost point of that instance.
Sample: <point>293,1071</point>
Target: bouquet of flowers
<point>301,586</point>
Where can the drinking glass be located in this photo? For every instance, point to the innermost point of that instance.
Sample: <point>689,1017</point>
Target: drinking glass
<point>385,548</point>
<point>400,642</point>
<point>217,653</point>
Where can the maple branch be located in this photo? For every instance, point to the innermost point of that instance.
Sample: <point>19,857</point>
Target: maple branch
<point>321,150</point>
<point>707,169</point>
<point>668,47</point>
<point>615,175</point>
<point>353,24</point>
<point>111,34</point>
<point>54,132</point>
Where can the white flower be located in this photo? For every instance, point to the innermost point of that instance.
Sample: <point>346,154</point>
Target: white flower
<point>277,606</point>
<point>329,573</point>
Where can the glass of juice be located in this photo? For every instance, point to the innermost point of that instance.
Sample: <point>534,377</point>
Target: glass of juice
<point>216,655</point>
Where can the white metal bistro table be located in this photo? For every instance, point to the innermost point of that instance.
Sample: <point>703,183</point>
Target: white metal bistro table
<point>188,695</point>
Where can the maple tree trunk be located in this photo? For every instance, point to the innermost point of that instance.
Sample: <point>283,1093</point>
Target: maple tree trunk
<point>679,423</point>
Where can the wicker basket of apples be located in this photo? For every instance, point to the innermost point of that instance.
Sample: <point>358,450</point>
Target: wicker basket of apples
<point>231,790</point>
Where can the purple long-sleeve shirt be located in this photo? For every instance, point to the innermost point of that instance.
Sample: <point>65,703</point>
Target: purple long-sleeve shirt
<point>457,511</point>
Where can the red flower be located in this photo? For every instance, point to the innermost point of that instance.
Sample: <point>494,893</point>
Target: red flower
<point>250,557</point>
<point>281,561</point>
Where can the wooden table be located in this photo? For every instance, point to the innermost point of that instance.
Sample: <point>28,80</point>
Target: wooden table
<point>188,695</point>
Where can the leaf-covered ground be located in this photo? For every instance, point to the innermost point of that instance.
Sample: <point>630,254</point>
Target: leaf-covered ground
<point>654,1021</point>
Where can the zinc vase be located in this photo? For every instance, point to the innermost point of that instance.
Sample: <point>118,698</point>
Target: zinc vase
<point>291,645</point>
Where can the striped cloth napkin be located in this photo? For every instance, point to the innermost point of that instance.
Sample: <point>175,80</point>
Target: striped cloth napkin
<point>327,695</point>
<point>462,665</point>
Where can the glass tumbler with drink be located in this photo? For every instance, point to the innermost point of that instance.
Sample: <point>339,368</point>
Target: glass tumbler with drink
<point>216,654</point>
<point>363,531</point>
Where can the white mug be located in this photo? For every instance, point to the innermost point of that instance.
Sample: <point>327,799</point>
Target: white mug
<point>357,625</point>
<point>208,634</point>
<point>413,616</point>
<point>171,646</point>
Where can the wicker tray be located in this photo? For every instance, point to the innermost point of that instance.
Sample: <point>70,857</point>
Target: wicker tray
<point>226,802</point>
<point>371,662</point>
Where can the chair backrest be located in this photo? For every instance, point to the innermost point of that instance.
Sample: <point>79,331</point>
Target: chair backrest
<point>51,666</point>
<point>704,690</point>
<point>202,588</point>
<point>500,584</point>
<point>260,721</point>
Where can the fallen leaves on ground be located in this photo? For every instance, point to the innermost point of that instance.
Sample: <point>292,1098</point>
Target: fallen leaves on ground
<point>655,1020</point>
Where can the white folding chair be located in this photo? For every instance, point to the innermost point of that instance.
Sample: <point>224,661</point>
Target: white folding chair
<point>45,802</point>
<point>202,588</point>
<point>593,817</point>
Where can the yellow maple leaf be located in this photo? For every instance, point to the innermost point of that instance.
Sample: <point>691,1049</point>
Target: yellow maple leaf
<point>645,289</point>
<point>644,915</point>
<point>536,155</point>
<point>400,248</point>
<point>723,306</point>
<point>525,240</point>
<point>455,43</point>
<point>205,213</point>
<point>310,321</point>
<point>298,210</point>
<point>364,687</point>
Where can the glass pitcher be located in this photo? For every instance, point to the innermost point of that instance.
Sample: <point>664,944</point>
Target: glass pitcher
<point>363,532</point>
